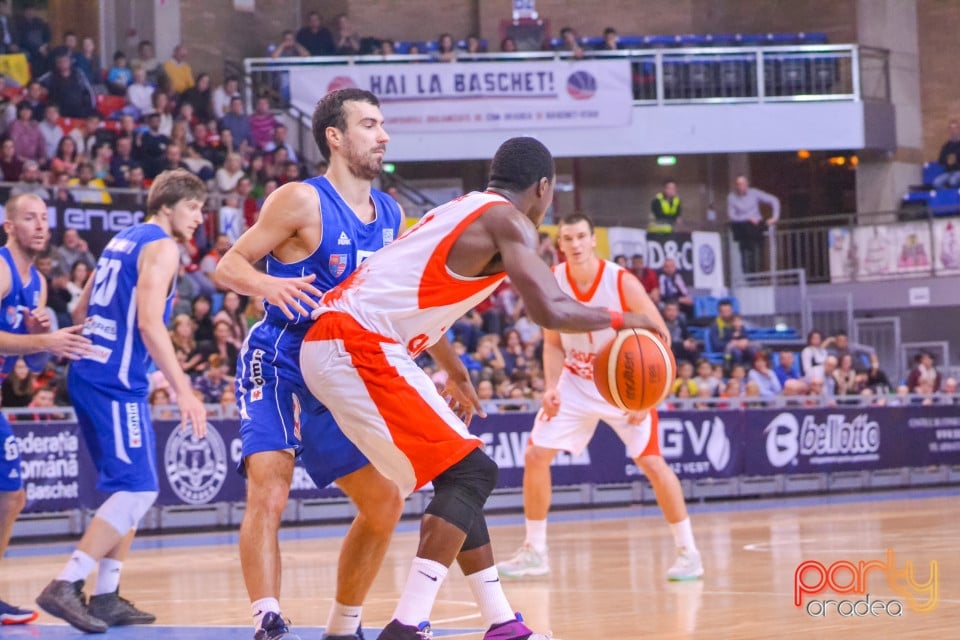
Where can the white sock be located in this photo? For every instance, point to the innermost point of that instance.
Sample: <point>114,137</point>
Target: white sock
<point>420,592</point>
<point>262,607</point>
<point>683,535</point>
<point>78,567</point>
<point>344,620</point>
<point>488,592</point>
<point>108,577</point>
<point>537,534</point>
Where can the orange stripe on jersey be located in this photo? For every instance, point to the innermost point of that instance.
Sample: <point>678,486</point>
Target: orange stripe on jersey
<point>623,298</point>
<point>653,444</point>
<point>437,287</point>
<point>423,436</point>
<point>588,295</point>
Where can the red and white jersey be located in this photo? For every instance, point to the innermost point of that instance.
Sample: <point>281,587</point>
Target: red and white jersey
<point>580,349</point>
<point>405,291</point>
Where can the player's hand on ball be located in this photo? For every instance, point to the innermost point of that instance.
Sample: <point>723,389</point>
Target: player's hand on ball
<point>643,321</point>
<point>550,403</point>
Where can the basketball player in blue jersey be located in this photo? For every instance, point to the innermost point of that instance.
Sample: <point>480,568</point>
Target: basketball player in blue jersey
<point>24,331</point>
<point>313,234</point>
<point>126,303</point>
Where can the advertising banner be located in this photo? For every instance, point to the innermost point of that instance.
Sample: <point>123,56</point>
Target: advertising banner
<point>481,96</point>
<point>59,475</point>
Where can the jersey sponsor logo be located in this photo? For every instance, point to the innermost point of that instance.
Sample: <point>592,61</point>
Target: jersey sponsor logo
<point>580,363</point>
<point>134,434</point>
<point>338,264</point>
<point>196,468</point>
<point>121,245</point>
<point>256,394</point>
<point>256,369</point>
<point>14,314</point>
<point>99,353</point>
<point>343,240</point>
<point>296,416</point>
<point>387,236</point>
<point>99,326</point>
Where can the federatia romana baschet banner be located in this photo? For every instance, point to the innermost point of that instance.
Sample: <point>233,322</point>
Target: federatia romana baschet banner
<point>480,96</point>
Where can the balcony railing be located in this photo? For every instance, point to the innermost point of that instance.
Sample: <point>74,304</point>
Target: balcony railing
<point>721,75</point>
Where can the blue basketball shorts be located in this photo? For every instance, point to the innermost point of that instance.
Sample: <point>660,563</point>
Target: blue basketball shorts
<point>278,412</point>
<point>10,479</point>
<point>119,434</point>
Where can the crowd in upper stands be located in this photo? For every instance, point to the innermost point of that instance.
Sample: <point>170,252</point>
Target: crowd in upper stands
<point>78,130</point>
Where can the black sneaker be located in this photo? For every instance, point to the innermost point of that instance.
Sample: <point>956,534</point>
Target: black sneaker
<point>65,600</point>
<point>274,627</point>
<point>396,630</point>
<point>356,636</point>
<point>117,611</point>
<point>10,614</point>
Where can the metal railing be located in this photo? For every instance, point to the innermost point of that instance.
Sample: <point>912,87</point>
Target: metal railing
<point>721,75</point>
<point>806,243</point>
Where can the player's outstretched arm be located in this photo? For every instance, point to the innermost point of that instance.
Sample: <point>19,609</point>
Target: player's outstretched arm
<point>286,211</point>
<point>159,262</point>
<point>516,240</point>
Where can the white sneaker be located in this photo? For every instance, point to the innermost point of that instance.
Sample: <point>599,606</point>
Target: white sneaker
<point>527,561</point>
<point>687,566</point>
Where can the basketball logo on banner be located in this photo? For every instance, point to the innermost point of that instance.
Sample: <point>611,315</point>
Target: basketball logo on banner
<point>196,468</point>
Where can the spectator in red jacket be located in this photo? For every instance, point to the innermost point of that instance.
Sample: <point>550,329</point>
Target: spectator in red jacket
<point>647,277</point>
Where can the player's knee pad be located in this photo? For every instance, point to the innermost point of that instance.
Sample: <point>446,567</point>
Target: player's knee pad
<point>123,509</point>
<point>461,491</point>
<point>478,536</point>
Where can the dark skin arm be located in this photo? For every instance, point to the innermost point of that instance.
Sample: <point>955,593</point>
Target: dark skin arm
<point>503,239</point>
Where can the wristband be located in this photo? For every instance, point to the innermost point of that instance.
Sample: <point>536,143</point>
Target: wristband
<point>616,319</point>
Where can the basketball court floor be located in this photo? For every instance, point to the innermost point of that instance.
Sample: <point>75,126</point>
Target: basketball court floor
<point>608,578</point>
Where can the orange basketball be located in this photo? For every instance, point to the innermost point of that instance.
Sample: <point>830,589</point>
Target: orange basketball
<point>635,371</point>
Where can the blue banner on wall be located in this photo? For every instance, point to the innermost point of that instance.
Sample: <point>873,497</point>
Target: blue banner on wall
<point>59,475</point>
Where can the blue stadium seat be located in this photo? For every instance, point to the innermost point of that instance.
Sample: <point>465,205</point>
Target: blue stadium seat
<point>723,39</point>
<point>401,46</point>
<point>661,42</point>
<point>751,39</point>
<point>931,170</point>
<point>706,306</point>
<point>632,42</point>
<point>812,38</point>
<point>693,40</point>
<point>591,42</point>
<point>945,202</point>
<point>781,39</point>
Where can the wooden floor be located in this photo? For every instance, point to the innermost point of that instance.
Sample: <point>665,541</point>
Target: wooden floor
<point>608,577</point>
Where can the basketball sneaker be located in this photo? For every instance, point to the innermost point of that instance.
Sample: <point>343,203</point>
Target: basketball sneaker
<point>512,630</point>
<point>527,561</point>
<point>274,627</point>
<point>355,636</point>
<point>10,614</point>
<point>687,566</point>
<point>117,611</point>
<point>65,600</point>
<point>396,630</point>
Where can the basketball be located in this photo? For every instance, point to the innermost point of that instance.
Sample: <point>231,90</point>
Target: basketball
<point>635,371</point>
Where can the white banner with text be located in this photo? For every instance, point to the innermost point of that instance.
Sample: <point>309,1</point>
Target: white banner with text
<point>482,95</point>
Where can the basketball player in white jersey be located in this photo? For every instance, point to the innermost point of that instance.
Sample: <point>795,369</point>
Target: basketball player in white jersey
<point>359,360</point>
<point>572,406</point>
